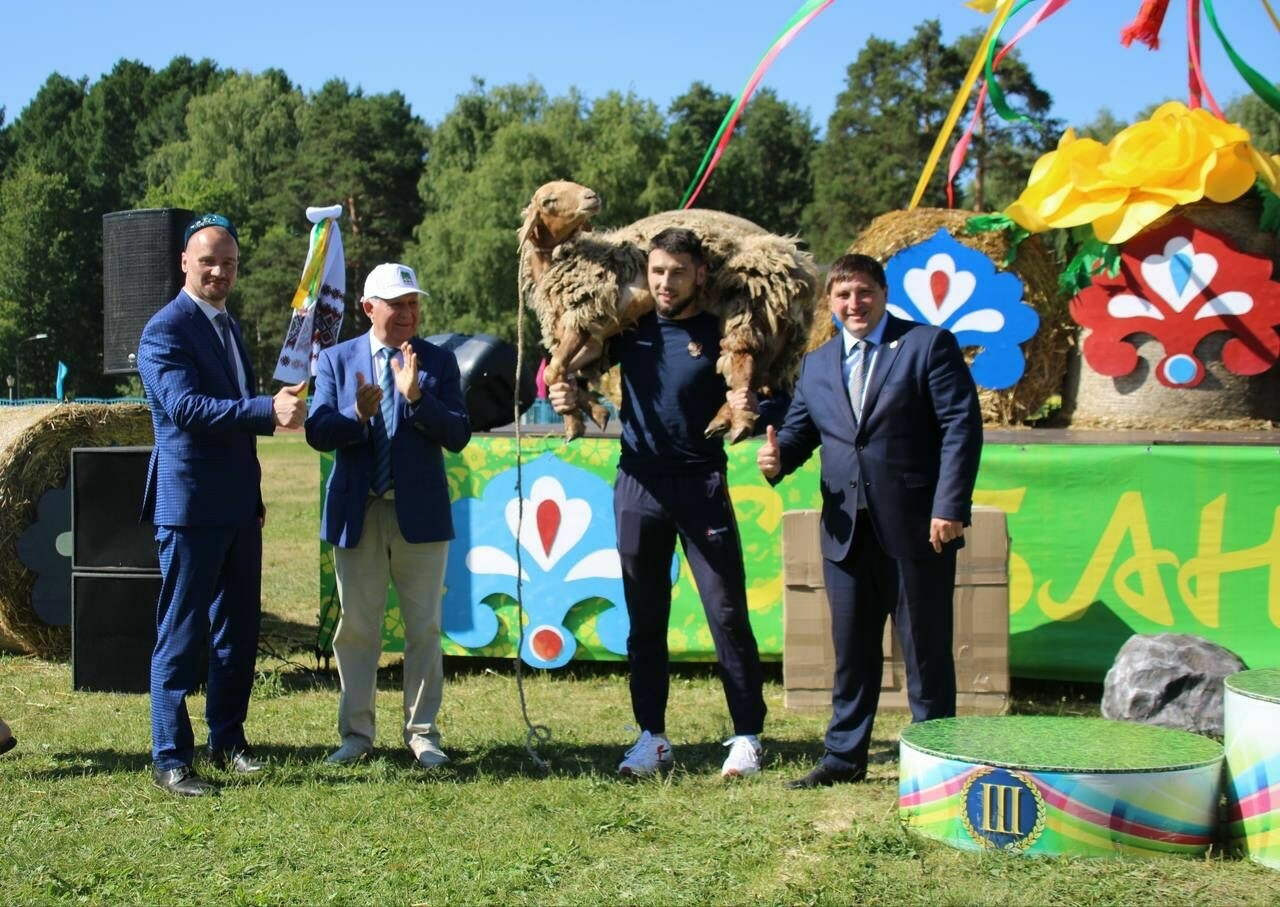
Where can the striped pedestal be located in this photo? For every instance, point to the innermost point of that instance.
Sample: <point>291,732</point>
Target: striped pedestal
<point>1252,738</point>
<point>1052,786</point>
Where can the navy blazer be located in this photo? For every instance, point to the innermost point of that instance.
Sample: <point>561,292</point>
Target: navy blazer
<point>204,466</point>
<point>915,451</point>
<point>438,420</point>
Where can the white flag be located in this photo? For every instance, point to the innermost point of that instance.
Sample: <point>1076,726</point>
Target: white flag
<point>317,303</point>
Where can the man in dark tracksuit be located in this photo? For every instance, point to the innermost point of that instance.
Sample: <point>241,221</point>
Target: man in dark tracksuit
<point>671,484</point>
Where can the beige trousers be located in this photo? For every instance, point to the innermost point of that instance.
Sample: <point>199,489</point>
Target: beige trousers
<point>363,573</point>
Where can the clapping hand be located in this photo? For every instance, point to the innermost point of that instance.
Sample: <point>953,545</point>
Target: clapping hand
<point>368,398</point>
<point>406,375</point>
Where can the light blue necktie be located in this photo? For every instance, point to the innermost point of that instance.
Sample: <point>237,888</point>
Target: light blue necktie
<point>386,428</point>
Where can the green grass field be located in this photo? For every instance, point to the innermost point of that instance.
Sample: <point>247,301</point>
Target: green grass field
<point>83,824</point>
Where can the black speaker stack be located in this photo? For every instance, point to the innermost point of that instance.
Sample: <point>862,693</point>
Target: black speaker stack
<point>115,571</point>
<point>489,385</point>
<point>141,271</point>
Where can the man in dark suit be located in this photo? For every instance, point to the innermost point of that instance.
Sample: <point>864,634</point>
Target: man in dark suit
<point>388,403</point>
<point>204,496</point>
<point>896,412</point>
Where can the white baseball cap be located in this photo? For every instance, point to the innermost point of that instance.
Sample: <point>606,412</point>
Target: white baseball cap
<point>391,281</point>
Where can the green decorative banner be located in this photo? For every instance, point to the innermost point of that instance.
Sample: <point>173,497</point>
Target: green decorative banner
<point>1106,541</point>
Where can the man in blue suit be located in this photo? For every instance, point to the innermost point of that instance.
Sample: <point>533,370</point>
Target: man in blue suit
<point>896,412</point>
<point>204,496</point>
<point>388,403</point>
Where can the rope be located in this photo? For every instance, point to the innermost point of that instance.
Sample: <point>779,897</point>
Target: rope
<point>535,733</point>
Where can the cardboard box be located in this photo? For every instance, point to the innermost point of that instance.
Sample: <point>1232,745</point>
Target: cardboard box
<point>981,635</point>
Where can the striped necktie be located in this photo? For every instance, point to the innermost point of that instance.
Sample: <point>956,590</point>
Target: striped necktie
<point>386,428</point>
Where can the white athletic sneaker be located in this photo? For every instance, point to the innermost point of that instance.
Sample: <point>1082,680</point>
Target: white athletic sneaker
<point>652,753</point>
<point>744,757</point>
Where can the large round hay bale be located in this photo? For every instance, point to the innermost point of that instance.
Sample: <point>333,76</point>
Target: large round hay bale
<point>1223,400</point>
<point>35,445</point>
<point>1045,352</point>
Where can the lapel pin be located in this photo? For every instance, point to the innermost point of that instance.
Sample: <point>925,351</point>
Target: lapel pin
<point>893,344</point>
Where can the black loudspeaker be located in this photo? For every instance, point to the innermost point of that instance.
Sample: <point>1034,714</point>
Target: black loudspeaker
<point>107,484</point>
<point>113,631</point>
<point>488,367</point>
<point>141,271</point>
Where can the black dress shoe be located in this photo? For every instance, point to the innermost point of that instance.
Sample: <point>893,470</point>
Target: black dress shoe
<point>182,781</point>
<point>825,776</point>
<point>242,761</point>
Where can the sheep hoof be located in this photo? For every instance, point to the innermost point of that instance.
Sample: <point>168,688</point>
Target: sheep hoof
<point>741,427</point>
<point>739,433</point>
<point>573,427</point>
<point>716,429</point>
<point>600,416</point>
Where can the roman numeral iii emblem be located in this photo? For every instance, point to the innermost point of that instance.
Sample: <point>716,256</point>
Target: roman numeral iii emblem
<point>1000,803</point>
<point>1002,809</point>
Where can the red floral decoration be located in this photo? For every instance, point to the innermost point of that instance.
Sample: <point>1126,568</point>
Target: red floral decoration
<point>1179,284</point>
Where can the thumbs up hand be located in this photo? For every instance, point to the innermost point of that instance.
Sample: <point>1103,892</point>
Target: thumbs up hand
<point>769,456</point>
<point>289,406</point>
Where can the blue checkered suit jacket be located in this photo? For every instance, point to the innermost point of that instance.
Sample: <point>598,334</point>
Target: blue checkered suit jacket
<point>204,467</point>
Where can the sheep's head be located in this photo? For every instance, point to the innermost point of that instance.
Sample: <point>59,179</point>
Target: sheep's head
<point>558,211</point>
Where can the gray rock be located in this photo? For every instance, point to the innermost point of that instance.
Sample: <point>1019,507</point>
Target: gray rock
<point>1173,680</point>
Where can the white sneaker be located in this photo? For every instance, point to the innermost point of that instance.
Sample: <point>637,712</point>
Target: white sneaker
<point>744,757</point>
<point>353,749</point>
<point>427,752</point>
<point>652,753</point>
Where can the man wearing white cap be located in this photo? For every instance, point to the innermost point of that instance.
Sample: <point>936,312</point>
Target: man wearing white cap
<point>388,403</point>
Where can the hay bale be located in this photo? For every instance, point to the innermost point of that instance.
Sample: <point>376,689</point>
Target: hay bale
<point>1045,352</point>
<point>35,445</point>
<point>1223,400</point>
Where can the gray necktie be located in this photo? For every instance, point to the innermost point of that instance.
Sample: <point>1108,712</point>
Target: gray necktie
<point>858,375</point>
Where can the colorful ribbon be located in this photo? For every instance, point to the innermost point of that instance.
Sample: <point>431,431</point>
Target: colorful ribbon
<point>1261,85</point>
<point>309,284</point>
<point>1197,86</point>
<point>1003,10</point>
<point>1275,20</point>
<point>802,17</point>
<point>961,150</point>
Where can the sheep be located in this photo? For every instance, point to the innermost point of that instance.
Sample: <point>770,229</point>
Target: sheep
<point>559,211</point>
<point>595,285</point>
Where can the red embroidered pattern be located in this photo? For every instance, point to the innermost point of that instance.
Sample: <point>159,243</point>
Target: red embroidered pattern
<point>1179,284</point>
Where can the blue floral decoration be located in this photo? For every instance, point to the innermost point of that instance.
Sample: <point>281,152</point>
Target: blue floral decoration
<point>947,284</point>
<point>566,510</point>
<point>44,548</point>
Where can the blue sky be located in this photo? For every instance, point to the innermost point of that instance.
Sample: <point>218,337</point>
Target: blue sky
<point>655,48</point>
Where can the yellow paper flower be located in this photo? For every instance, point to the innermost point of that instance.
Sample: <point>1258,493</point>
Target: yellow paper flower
<point>1176,157</point>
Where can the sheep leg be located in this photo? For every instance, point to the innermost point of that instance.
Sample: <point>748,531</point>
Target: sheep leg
<point>568,346</point>
<point>636,303</point>
<point>737,423</point>
<point>573,425</point>
<point>594,407</point>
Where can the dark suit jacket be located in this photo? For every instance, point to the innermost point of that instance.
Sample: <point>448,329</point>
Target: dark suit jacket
<point>915,451</point>
<point>438,420</point>
<point>204,466</point>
